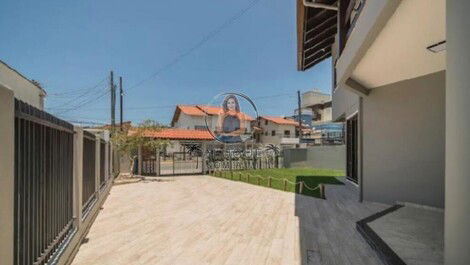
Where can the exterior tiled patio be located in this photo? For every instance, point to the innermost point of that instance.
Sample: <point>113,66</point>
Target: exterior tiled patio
<point>207,220</point>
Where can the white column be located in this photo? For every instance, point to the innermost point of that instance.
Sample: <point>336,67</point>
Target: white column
<point>77,174</point>
<point>7,174</point>
<point>457,183</point>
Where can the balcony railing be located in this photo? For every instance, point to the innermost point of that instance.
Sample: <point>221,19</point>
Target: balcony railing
<point>349,12</point>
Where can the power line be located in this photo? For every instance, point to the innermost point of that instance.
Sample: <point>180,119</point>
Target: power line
<point>288,95</point>
<point>86,122</point>
<point>274,96</point>
<point>204,40</point>
<point>89,90</point>
<point>74,91</point>
<point>83,103</point>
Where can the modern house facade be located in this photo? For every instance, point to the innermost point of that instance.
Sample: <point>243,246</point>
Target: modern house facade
<point>392,99</point>
<point>402,93</point>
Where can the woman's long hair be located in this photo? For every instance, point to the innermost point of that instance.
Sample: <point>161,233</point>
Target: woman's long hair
<point>237,106</point>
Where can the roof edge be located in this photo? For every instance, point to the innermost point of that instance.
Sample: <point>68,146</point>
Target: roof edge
<point>24,77</point>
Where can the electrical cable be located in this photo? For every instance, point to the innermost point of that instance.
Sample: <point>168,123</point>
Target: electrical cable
<point>204,40</point>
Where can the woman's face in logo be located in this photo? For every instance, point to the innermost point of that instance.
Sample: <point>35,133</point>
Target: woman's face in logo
<point>231,105</point>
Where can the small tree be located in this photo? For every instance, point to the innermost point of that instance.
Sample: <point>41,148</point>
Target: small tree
<point>128,142</point>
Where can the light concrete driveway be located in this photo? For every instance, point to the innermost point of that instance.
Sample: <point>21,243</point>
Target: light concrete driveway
<point>206,220</point>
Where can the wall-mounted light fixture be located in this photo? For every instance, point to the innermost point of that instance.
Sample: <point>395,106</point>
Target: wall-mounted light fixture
<point>438,47</point>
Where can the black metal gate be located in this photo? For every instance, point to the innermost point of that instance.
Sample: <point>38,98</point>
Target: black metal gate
<point>149,167</point>
<point>43,185</point>
<point>186,162</point>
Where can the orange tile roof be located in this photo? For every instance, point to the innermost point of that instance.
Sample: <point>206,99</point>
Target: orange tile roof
<point>180,134</point>
<point>200,110</point>
<point>214,110</point>
<point>280,120</point>
<point>211,110</point>
<point>190,110</point>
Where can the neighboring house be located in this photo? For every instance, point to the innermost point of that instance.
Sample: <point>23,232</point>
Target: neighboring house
<point>324,133</point>
<point>306,117</point>
<point>276,130</point>
<point>195,117</point>
<point>178,138</point>
<point>317,118</point>
<point>24,89</point>
<point>319,104</point>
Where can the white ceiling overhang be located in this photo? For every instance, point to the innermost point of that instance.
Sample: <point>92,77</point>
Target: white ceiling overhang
<point>400,50</point>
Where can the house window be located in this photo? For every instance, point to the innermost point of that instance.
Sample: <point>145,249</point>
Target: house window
<point>273,133</point>
<point>296,133</point>
<point>266,133</point>
<point>200,128</point>
<point>266,122</point>
<point>287,133</point>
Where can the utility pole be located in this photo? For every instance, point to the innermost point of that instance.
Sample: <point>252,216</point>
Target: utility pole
<point>299,113</point>
<point>113,100</point>
<point>120,100</point>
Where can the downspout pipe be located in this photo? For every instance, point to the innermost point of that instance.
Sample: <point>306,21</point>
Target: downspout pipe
<point>314,4</point>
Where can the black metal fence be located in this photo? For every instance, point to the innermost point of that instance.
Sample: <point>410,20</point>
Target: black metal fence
<point>149,167</point>
<point>43,184</point>
<point>89,160</point>
<point>102,162</point>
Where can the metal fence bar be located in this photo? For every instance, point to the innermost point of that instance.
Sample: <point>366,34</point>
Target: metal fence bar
<point>88,180</point>
<point>43,183</point>
<point>102,162</point>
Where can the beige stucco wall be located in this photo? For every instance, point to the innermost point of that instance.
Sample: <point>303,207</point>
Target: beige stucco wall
<point>7,179</point>
<point>23,88</point>
<point>372,19</point>
<point>189,121</point>
<point>326,114</point>
<point>314,97</point>
<point>404,130</point>
<point>457,212</point>
<point>345,103</point>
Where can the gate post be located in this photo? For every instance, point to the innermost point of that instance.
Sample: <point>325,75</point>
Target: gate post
<point>173,163</point>
<point>77,175</point>
<point>139,160</point>
<point>203,157</point>
<point>107,155</point>
<point>7,175</point>
<point>97,162</point>
<point>157,162</point>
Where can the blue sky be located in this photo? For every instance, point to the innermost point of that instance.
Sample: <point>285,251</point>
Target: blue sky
<point>70,47</point>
